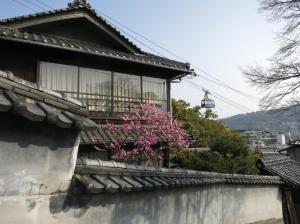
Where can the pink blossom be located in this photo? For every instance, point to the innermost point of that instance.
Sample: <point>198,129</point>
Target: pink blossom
<point>152,127</point>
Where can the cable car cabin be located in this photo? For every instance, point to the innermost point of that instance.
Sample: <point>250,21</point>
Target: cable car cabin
<point>208,103</point>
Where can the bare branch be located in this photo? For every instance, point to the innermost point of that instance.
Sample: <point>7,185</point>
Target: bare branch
<point>281,80</point>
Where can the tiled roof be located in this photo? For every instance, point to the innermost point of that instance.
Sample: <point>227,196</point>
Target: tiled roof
<point>283,166</point>
<point>36,104</point>
<point>271,156</point>
<point>95,176</point>
<point>48,40</point>
<point>76,6</point>
<point>103,135</point>
<point>8,32</point>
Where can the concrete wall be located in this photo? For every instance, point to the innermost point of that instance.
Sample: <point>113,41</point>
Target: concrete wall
<point>230,204</point>
<point>35,157</point>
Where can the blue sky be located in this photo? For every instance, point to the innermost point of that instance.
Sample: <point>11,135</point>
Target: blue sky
<point>219,36</point>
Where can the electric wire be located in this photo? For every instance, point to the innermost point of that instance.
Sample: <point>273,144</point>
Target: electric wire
<point>35,5</point>
<point>222,98</point>
<point>225,101</point>
<point>25,6</point>
<point>145,45</point>
<point>221,83</point>
<point>44,4</point>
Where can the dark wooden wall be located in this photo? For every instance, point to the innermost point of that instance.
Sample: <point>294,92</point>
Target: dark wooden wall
<point>22,59</point>
<point>79,29</point>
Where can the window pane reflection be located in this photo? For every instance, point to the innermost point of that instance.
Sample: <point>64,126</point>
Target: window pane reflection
<point>127,92</point>
<point>60,78</point>
<point>95,88</point>
<point>155,91</point>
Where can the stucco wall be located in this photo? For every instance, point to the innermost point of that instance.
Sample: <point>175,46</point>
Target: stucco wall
<point>230,204</point>
<point>35,157</point>
<point>37,162</point>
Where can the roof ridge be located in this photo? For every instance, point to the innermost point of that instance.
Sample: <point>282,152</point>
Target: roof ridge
<point>31,15</point>
<point>73,6</point>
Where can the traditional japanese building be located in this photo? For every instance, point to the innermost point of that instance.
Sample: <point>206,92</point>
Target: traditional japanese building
<point>76,52</point>
<point>53,66</point>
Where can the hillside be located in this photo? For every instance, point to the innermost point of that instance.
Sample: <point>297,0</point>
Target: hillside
<point>275,120</point>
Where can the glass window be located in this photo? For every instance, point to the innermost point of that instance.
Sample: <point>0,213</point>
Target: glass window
<point>127,91</point>
<point>60,78</point>
<point>95,88</point>
<point>155,91</point>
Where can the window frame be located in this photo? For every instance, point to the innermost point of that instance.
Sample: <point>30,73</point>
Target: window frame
<point>164,102</point>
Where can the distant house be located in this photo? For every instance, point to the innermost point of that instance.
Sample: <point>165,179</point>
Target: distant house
<point>283,164</point>
<point>293,149</point>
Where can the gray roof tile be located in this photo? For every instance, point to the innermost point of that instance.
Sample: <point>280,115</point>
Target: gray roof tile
<point>282,165</point>
<point>27,100</point>
<point>124,178</point>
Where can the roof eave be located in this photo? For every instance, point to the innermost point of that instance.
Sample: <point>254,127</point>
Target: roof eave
<point>185,71</point>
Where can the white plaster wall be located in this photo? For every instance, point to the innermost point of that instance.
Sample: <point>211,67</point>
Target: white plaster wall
<point>35,157</point>
<point>230,204</point>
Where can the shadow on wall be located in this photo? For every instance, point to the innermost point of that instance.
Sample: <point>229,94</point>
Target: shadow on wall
<point>16,129</point>
<point>35,157</point>
<point>207,204</point>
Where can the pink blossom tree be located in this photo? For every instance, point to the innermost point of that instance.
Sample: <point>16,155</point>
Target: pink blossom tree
<point>149,131</point>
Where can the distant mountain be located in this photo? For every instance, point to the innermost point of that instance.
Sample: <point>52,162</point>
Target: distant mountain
<point>284,120</point>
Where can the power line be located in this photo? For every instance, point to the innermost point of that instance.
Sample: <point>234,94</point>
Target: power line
<point>44,4</point>
<point>219,84</point>
<point>25,6</point>
<point>145,45</point>
<point>175,55</point>
<point>35,5</point>
<point>222,98</point>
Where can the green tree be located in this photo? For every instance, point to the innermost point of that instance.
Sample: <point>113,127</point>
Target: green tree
<point>204,129</point>
<point>229,146</point>
<point>228,154</point>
